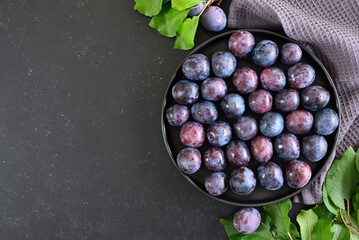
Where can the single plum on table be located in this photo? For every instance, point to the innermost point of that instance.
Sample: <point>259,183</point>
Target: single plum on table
<point>216,183</point>
<point>315,98</point>
<point>223,64</point>
<point>287,100</point>
<point>271,124</point>
<point>290,53</point>
<point>245,128</point>
<point>241,43</point>
<point>189,160</point>
<point>326,121</point>
<point>219,133</point>
<point>196,67</point>
<point>197,9</point>
<point>287,147</point>
<point>265,53</point>
<point>272,78</point>
<point>192,134</point>
<point>314,147</point>
<point>260,101</point>
<point>298,174</point>
<point>245,80</point>
<point>301,75</point>
<point>214,159</point>
<point>214,19</point>
<point>299,122</point>
<point>213,89</point>
<point>233,105</point>
<point>204,112</point>
<point>238,153</point>
<point>270,176</point>
<point>177,115</point>
<point>185,92</point>
<point>242,181</point>
<point>262,149</point>
<point>247,220</point>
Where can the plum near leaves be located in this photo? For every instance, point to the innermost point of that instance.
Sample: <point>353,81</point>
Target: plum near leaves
<point>298,174</point>
<point>197,9</point>
<point>290,53</point>
<point>241,43</point>
<point>238,154</point>
<point>216,183</point>
<point>260,101</point>
<point>214,159</point>
<point>262,149</point>
<point>272,78</point>
<point>245,80</point>
<point>196,67</point>
<point>301,75</point>
<point>287,100</point>
<point>242,181</point>
<point>245,128</point>
<point>213,89</point>
<point>219,133</point>
<point>223,64</point>
<point>214,19</point>
<point>315,98</point>
<point>247,220</point>
<point>270,176</point>
<point>204,112</point>
<point>314,147</point>
<point>326,121</point>
<point>192,134</point>
<point>265,53</point>
<point>233,105</point>
<point>185,92</point>
<point>189,160</point>
<point>271,124</point>
<point>287,147</point>
<point>299,122</point>
<point>177,115</point>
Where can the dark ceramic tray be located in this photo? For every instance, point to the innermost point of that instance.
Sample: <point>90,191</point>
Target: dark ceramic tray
<point>259,196</point>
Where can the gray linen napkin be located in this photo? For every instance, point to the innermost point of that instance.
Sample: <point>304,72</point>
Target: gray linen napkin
<point>330,28</point>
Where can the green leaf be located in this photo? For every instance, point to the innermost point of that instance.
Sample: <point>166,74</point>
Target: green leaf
<point>148,7</point>
<point>184,4</point>
<point>328,202</point>
<point>323,212</point>
<point>185,34</point>
<point>261,233</point>
<point>307,221</point>
<point>342,178</point>
<point>356,200</point>
<point>340,232</point>
<point>357,160</point>
<point>323,230</point>
<point>165,1</point>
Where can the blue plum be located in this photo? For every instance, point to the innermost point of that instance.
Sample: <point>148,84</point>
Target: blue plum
<point>189,160</point>
<point>216,183</point>
<point>219,133</point>
<point>315,98</point>
<point>314,147</point>
<point>245,128</point>
<point>245,80</point>
<point>196,67</point>
<point>272,78</point>
<point>271,124</point>
<point>287,147</point>
<point>204,112</point>
<point>270,176</point>
<point>185,92</point>
<point>242,181</point>
<point>223,64</point>
<point>241,43</point>
<point>192,134</point>
<point>301,75</point>
<point>298,174</point>
<point>177,115</point>
<point>262,149</point>
<point>299,122</point>
<point>265,53</point>
<point>287,100</point>
<point>197,9</point>
<point>213,89</point>
<point>214,19</point>
<point>233,105</point>
<point>326,121</point>
<point>260,101</point>
<point>214,159</point>
<point>247,220</point>
<point>238,153</point>
<point>290,53</point>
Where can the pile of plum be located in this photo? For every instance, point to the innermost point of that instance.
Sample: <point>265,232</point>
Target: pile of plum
<point>241,139</point>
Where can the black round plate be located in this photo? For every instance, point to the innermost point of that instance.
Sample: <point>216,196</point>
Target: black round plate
<point>259,196</point>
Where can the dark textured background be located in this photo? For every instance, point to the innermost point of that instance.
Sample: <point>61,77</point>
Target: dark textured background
<point>82,155</point>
